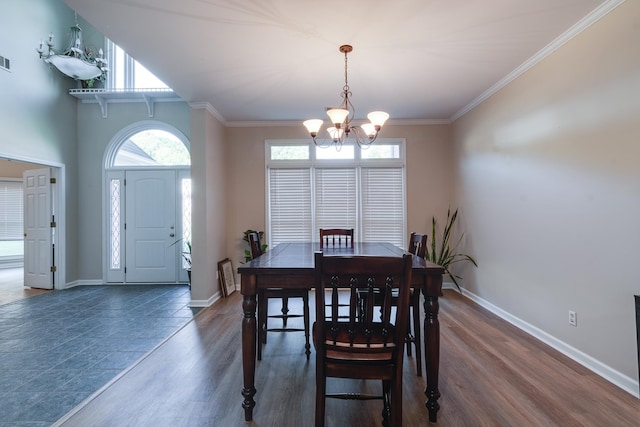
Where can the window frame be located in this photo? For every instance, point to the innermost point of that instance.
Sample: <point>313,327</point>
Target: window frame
<point>357,163</point>
<point>128,69</point>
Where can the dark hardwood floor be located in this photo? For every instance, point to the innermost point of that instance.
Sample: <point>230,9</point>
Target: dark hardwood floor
<point>491,374</point>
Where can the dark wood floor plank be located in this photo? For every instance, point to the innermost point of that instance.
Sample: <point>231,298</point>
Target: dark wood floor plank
<point>491,374</point>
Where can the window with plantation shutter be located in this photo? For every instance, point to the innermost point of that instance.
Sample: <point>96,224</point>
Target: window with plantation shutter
<point>311,188</point>
<point>383,205</point>
<point>336,198</point>
<point>289,204</point>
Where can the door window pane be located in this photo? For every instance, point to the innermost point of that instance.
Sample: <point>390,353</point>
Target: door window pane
<point>153,147</point>
<point>114,224</point>
<point>185,186</point>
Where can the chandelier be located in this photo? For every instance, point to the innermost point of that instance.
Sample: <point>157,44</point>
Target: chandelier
<point>75,60</point>
<point>341,119</point>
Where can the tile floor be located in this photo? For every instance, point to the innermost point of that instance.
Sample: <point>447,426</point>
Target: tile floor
<point>59,347</point>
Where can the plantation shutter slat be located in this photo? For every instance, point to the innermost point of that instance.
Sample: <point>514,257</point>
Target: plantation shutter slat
<point>336,199</point>
<point>383,205</point>
<point>290,205</point>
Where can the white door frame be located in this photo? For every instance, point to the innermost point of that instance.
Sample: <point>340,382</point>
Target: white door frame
<point>59,202</point>
<point>110,172</point>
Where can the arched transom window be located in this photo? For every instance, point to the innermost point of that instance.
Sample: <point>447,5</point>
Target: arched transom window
<point>152,147</point>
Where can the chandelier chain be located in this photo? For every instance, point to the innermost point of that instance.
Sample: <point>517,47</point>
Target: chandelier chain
<point>346,78</point>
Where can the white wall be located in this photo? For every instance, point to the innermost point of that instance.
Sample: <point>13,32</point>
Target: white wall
<point>548,178</point>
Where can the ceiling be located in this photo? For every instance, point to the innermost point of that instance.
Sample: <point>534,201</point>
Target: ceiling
<point>261,61</point>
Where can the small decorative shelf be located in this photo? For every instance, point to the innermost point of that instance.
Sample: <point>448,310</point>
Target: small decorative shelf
<point>103,97</point>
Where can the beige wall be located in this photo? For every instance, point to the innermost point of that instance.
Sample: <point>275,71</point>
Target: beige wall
<point>209,192</point>
<point>14,169</point>
<point>548,177</point>
<point>429,179</point>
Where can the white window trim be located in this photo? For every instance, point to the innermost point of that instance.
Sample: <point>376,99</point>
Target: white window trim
<point>312,163</point>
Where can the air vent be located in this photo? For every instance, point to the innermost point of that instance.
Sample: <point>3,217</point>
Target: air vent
<point>5,64</point>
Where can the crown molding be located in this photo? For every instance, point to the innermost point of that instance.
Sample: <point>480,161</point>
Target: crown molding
<point>593,17</point>
<point>298,123</point>
<point>207,106</point>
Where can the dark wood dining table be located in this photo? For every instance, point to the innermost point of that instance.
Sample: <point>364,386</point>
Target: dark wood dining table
<point>291,265</point>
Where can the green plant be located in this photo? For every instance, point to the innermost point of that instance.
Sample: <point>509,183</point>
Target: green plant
<point>442,252</point>
<point>247,252</point>
<point>186,255</point>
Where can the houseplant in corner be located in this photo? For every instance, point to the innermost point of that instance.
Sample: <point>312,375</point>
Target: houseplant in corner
<point>186,255</point>
<point>442,252</point>
<point>247,252</point>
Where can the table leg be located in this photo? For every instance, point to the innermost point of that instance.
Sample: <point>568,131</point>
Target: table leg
<point>432,348</point>
<point>248,345</point>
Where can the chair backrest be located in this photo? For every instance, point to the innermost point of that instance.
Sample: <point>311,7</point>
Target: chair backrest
<point>364,331</point>
<point>336,237</point>
<point>418,244</point>
<point>254,244</point>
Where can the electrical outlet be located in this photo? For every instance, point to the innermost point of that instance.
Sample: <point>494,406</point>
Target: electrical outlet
<point>573,318</point>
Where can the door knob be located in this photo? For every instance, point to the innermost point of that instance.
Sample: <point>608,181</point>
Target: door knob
<point>171,235</point>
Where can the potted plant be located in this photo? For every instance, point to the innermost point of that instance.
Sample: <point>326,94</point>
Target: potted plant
<point>440,251</point>
<point>186,255</point>
<point>247,252</point>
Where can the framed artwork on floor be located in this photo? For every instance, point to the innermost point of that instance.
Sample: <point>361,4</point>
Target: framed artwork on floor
<point>226,277</point>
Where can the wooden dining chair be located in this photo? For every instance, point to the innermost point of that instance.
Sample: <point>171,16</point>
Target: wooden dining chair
<point>284,294</point>
<point>418,247</point>
<point>365,346</point>
<point>336,237</point>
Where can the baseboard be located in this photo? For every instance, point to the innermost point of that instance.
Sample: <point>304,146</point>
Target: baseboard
<point>205,302</point>
<point>80,283</point>
<point>617,378</point>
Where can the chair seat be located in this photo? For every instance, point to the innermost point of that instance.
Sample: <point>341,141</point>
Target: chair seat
<point>414,304</point>
<point>340,348</point>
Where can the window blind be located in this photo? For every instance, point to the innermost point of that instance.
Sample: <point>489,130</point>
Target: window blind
<point>336,199</point>
<point>383,205</point>
<point>11,210</point>
<point>290,205</point>
<point>309,189</point>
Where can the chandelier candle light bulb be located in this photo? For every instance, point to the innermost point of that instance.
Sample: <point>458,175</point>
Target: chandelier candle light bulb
<point>341,119</point>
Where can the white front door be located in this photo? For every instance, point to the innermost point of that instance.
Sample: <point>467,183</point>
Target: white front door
<point>150,226</point>
<point>38,248</point>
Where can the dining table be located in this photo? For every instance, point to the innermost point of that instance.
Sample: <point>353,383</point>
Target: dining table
<point>291,265</point>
